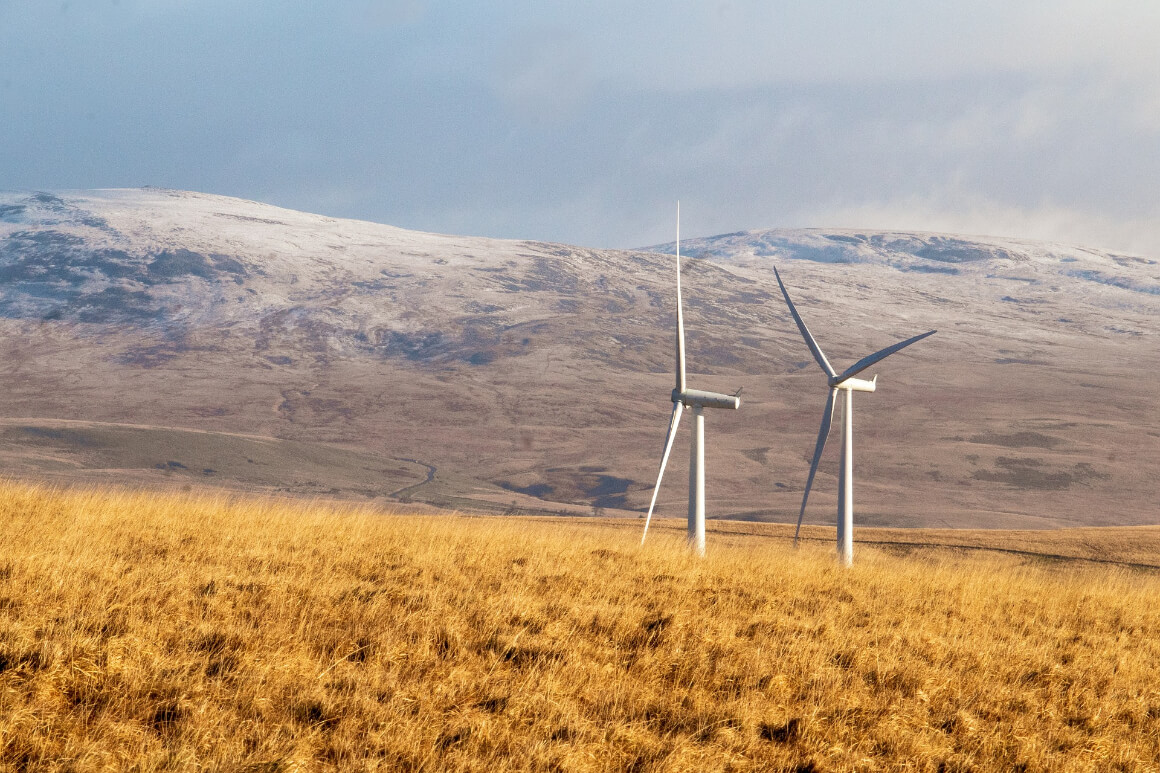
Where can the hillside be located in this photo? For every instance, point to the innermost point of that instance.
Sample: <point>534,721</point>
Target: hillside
<point>180,339</point>
<point>191,633</point>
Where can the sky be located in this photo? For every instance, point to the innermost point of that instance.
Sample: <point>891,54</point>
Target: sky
<point>585,122</point>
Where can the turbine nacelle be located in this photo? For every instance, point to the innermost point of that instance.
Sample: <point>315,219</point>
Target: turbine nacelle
<point>855,384</point>
<point>694,397</point>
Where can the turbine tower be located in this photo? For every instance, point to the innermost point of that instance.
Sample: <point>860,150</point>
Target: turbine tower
<point>697,400</point>
<point>840,382</point>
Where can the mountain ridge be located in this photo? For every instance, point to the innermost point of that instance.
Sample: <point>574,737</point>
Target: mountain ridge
<point>532,374</point>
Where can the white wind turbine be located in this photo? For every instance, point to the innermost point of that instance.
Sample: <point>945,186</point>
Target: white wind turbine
<point>697,400</point>
<point>846,383</point>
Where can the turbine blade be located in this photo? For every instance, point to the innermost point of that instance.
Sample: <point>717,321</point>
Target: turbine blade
<point>680,312</point>
<point>866,362</point>
<point>823,433</point>
<point>817,350</point>
<point>678,408</point>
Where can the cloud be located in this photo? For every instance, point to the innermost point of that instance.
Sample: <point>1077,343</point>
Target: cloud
<point>543,73</point>
<point>975,215</point>
<point>691,44</point>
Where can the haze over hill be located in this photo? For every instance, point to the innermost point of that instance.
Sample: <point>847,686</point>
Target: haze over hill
<point>164,335</point>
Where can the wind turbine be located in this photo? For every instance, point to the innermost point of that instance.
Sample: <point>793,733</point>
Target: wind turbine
<point>840,382</point>
<point>697,400</point>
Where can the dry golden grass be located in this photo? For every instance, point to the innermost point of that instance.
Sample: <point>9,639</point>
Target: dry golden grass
<point>166,632</point>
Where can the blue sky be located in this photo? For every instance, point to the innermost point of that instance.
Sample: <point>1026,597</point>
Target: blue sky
<point>583,123</point>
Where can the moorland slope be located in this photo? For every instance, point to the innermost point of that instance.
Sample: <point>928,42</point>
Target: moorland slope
<point>177,338</point>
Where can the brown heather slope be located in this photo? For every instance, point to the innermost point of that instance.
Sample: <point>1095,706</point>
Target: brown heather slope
<point>182,633</point>
<point>173,337</point>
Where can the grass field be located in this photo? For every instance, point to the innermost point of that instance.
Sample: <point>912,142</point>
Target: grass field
<point>170,632</point>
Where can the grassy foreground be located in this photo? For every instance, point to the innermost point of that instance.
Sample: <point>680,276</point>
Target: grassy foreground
<point>159,632</point>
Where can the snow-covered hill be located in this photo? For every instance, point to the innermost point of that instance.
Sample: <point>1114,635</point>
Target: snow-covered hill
<point>514,372</point>
<point>970,260</point>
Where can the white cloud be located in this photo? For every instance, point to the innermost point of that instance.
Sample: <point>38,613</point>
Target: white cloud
<point>973,214</point>
<point>696,45</point>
